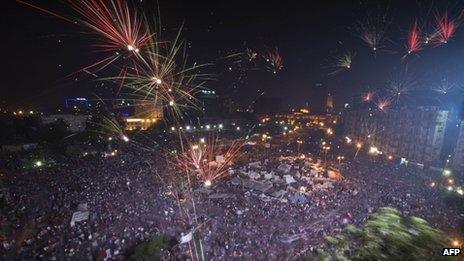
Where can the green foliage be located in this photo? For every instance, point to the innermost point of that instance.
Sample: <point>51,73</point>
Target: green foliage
<point>385,236</point>
<point>153,249</point>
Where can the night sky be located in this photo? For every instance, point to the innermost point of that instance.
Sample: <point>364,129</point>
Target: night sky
<point>39,50</point>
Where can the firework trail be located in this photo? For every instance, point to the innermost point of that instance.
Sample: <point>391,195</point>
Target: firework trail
<point>120,28</point>
<point>383,104</point>
<point>445,28</point>
<point>368,96</point>
<point>163,77</point>
<point>444,87</point>
<point>372,30</point>
<point>342,63</point>
<point>210,160</point>
<point>274,59</point>
<point>400,87</point>
<point>414,43</point>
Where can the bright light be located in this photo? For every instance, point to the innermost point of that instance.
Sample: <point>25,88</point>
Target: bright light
<point>456,243</point>
<point>171,103</point>
<point>390,157</point>
<point>348,140</point>
<point>202,140</point>
<point>130,47</point>
<point>432,184</point>
<point>38,164</point>
<point>450,181</point>
<point>194,147</point>
<point>125,138</point>
<point>157,80</point>
<point>173,128</point>
<point>110,138</point>
<point>238,128</point>
<point>460,191</point>
<point>446,172</point>
<point>450,188</point>
<point>220,126</point>
<point>187,127</point>
<point>208,127</point>
<point>207,183</point>
<point>358,145</point>
<point>374,150</point>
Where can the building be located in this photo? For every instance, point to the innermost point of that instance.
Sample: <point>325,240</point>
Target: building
<point>329,105</point>
<point>415,134</point>
<point>458,155</point>
<point>76,123</point>
<point>146,114</point>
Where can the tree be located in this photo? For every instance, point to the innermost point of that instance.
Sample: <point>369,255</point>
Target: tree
<point>154,248</point>
<point>385,236</point>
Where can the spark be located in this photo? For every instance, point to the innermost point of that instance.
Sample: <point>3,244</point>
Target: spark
<point>274,59</point>
<point>342,62</point>
<point>368,96</point>
<point>209,161</point>
<point>445,27</point>
<point>372,30</point>
<point>162,77</point>
<point>401,86</point>
<point>383,104</point>
<point>414,43</point>
<point>444,87</point>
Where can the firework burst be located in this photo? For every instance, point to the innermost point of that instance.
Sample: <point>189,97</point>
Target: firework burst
<point>209,160</point>
<point>120,28</point>
<point>162,77</point>
<point>274,59</point>
<point>444,87</point>
<point>400,86</point>
<point>445,28</point>
<point>414,43</point>
<point>372,30</point>
<point>383,104</point>
<point>343,62</point>
<point>368,96</point>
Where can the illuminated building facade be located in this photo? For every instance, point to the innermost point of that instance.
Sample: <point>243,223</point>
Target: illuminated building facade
<point>458,156</point>
<point>329,105</point>
<point>145,116</point>
<point>415,134</point>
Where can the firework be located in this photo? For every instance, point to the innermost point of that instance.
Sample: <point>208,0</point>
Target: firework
<point>414,43</point>
<point>162,77</point>
<point>251,55</point>
<point>445,28</point>
<point>368,96</point>
<point>400,86</point>
<point>383,104</point>
<point>120,28</point>
<point>209,160</point>
<point>274,59</point>
<point>372,30</point>
<point>444,87</point>
<point>343,62</point>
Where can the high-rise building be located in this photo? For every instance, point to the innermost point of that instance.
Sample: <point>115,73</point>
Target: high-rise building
<point>329,106</point>
<point>458,155</point>
<point>415,134</point>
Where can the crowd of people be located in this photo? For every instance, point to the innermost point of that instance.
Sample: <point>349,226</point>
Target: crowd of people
<point>129,201</point>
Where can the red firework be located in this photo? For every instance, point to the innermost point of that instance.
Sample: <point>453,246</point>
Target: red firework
<point>275,60</point>
<point>446,28</point>
<point>121,29</point>
<point>368,96</point>
<point>414,41</point>
<point>115,21</point>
